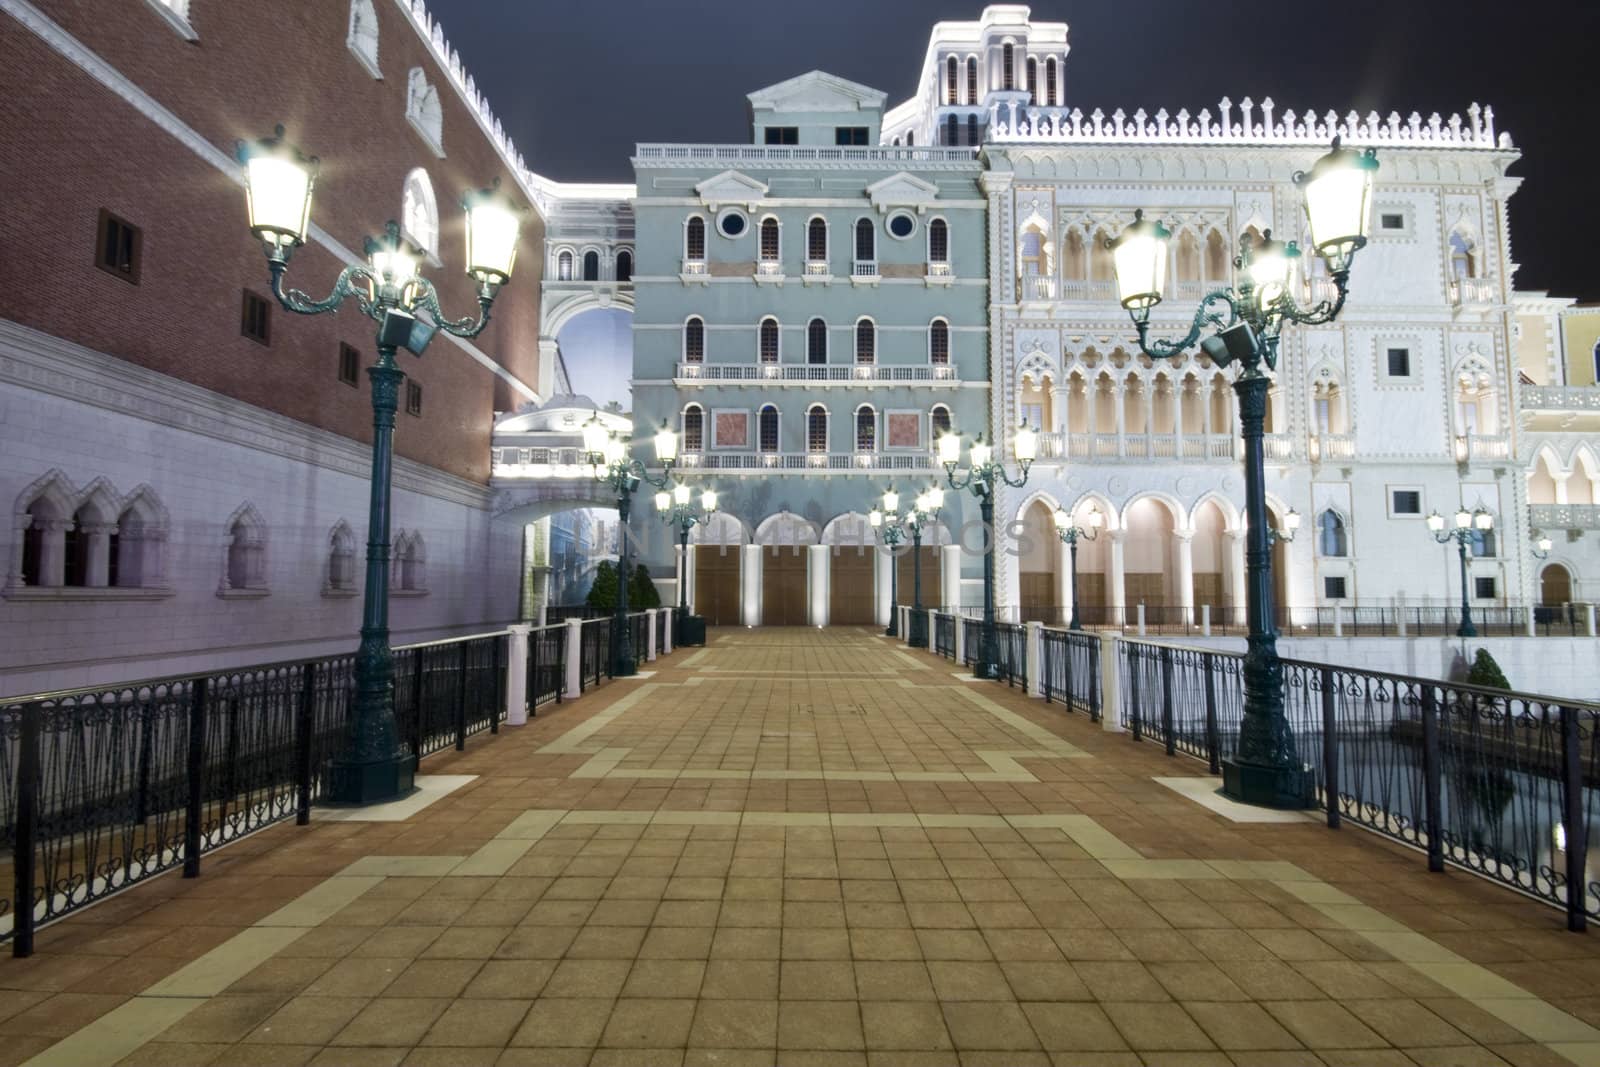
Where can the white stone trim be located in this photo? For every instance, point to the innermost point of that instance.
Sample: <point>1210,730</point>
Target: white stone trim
<point>176,14</point>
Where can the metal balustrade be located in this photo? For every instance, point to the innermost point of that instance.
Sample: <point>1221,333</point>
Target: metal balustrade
<point>812,373</point>
<point>1069,669</point>
<point>808,461</point>
<point>547,665</point>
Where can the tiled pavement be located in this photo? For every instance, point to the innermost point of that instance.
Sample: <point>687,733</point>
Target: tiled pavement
<point>807,847</point>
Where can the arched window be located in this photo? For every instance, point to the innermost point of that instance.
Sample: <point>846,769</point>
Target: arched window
<point>1463,261</point>
<point>972,79</point>
<point>694,428</point>
<point>1101,266</point>
<point>767,429</point>
<point>866,241</point>
<point>411,564</point>
<point>769,240</point>
<point>1008,66</point>
<point>1331,540</point>
<point>1483,543</point>
<point>1074,257</point>
<point>42,534</point>
<point>591,266</point>
<point>1050,82</point>
<point>972,130</point>
<point>1030,253</point>
<point>1186,260</point>
<point>341,560</point>
<point>136,546</point>
<point>817,429</point>
<point>423,110</point>
<point>1595,355</point>
<point>939,343</point>
<point>817,241</point>
<point>420,212</point>
<point>866,341</point>
<point>866,429</point>
<point>911,138</point>
<point>245,566</point>
<point>1217,263</point>
<point>952,130</point>
<point>1033,81</point>
<point>816,341</point>
<point>564,266</point>
<point>694,238</point>
<point>694,340</point>
<point>624,266</point>
<point>952,80</point>
<point>938,242</point>
<point>768,340</point>
<point>940,418</point>
<point>363,36</point>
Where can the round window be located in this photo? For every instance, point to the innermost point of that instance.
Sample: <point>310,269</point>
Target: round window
<point>731,223</point>
<point>902,225</point>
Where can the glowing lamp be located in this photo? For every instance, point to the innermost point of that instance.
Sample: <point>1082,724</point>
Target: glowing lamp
<point>663,501</point>
<point>1482,520</point>
<point>981,453</point>
<point>492,230</point>
<point>278,181</point>
<point>595,436</point>
<point>1025,444</point>
<point>1095,519</point>
<point>949,449</point>
<point>1544,545</point>
<point>1062,518</point>
<point>935,498</point>
<point>1291,521</point>
<point>667,445</point>
<point>875,518</point>
<point>1338,194</point>
<point>1271,269</point>
<point>1140,256</point>
<point>1435,521</point>
<point>680,495</point>
<point>1463,519</point>
<point>708,500</point>
<point>891,501</point>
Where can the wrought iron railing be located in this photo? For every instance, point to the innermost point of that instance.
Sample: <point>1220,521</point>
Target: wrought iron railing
<point>662,622</point>
<point>594,652</point>
<point>1069,669</point>
<point>547,664</point>
<point>103,787</point>
<point>944,635</point>
<point>1500,783</point>
<point>554,613</point>
<point>1436,619</point>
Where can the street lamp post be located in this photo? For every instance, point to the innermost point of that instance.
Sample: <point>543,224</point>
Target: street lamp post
<point>889,523</point>
<point>1246,320</point>
<point>923,513</point>
<point>984,475</point>
<point>1070,535</point>
<point>613,466</point>
<point>375,764</point>
<point>676,509</point>
<point>1469,526</point>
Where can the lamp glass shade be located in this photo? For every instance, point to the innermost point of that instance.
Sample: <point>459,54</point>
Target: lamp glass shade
<point>1544,545</point>
<point>1482,519</point>
<point>1291,520</point>
<point>1463,519</point>
<point>394,266</point>
<point>1435,522</point>
<point>708,500</point>
<point>891,501</point>
<point>1270,270</point>
<point>681,494</point>
<point>615,450</point>
<point>949,449</point>
<point>278,196</point>
<point>1140,256</point>
<point>663,501</point>
<point>667,446</point>
<point>981,453</point>
<point>1025,444</point>
<point>935,498</point>
<point>1062,518</point>
<point>875,518</point>
<point>1095,519</point>
<point>595,436</point>
<point>492,230</point>
<point>1339,203</point>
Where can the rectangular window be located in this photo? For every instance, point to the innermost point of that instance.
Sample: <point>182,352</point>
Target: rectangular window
<point>117,248</point>
<point>783,135</point>
<point>255,318</point>
<point>1483,588</point>
<point>1391,220</point>
<point>850,135</point>
<point>1406,502</point>
<point>349,365</point>
<point>413,398</point>
<point>1399,360</point>
<point>1333,588</point>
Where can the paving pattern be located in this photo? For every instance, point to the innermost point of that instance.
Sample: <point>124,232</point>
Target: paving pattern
<point>808,847</point>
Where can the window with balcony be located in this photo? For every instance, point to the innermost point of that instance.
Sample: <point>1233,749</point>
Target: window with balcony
<point>1008,66</point>
<point>1033,81</point>
<point>694,429</point>
<point>767,340</point>
<point>938,247</point>
<point>952,131</point>
<point>866,242</point>
<point>591,266</point>
<point>817,246</point>
<point>694,239</point>
<point>1050,82</point>
<point>866,429</point>
<point>972,131</point>
<point>939,343</point>
<point>1331,539</point>
<point>972,79</point>
<point>694,340</point>
<point>817,429</point>
<point>816,342</point>
<point>564,266</point>
<point>1483,543</point>
<point>952,80</point>
<point>769,250</point>
<point>767,429</point>
<point>1463,255</point>
<point>940,418</point>
<point>624,266</point>
<point>866,341</point>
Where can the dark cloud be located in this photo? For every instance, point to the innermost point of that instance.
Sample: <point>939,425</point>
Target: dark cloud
<point>578,84</point>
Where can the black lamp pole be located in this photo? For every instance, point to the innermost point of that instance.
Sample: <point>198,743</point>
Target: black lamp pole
<point>685,518</point>
<point>982,478</point>
<point>624,474</point>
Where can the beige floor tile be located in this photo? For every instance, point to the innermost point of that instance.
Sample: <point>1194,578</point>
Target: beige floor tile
<point>644,1024</point>
<point>988,1026</point>
<point>392,1021</point>
<point>735,1024</point>
<point>904,1025</point>
<point>664,979</point>
<point>1323,1025</point>
<point>822,1025</point>
<point>729,979</point>
<point>588,979</point>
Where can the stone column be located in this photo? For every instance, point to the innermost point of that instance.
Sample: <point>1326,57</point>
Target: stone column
<point>97,572</point>
<point>882,569</point>
<point>1183,546</point>
<point>950,577</point>
<point>818,558</point>
<point>750,584</point>
<point>1560,478</point>
<point>574,662</point>
<point>1064,581</point>
<point>517,673</point>
<point>1236,574</point>
<point>1117,590</point>
<point>651,621</point>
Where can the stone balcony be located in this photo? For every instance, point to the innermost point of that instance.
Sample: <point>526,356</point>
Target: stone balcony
<point>808,462</point>
<point>815,374</point>
<point>1551,517</point>
<point>1559,398</point>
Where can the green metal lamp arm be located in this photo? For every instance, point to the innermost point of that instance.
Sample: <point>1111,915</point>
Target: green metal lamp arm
<point>1203,317</point>
<point>345,286</point>
<point>428,300</point>
<point>1320,313</point>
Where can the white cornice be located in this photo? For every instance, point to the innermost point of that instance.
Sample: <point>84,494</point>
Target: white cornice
<point>91,64</point>
<point>44,363</point>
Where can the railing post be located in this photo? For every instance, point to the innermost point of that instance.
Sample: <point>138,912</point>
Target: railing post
<point>1135,654</point>
<point>518,698</point>
<point>574,661</point>
<point>461,696</point>
<point>1338,620</point>
<point>1574,821</point>
<point>1533,622</point>
<point>1330,748</point>
<point>1033,658</point>
<point>498,705</point>
<point>1205,620</point>
<point>1213,735</point>
<point>196,770</point>
<point>27,816</point>
<point>1166,701</point>
<point>1110,683</point>
<point>960,639</point>
<point>305,725</point>
<point>1093,688</point>
<point>650,624</point>
<point>1588,619</point>
<point>1432,777</point>
<point>1141,618</point>
<point>665,622</point>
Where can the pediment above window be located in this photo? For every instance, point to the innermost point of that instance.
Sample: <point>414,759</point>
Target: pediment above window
<point>902,190</point>
<point>731,187</point>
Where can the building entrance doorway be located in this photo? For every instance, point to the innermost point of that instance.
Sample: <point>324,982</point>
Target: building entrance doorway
<point>716,584</point>
<point>783,585</point>
<point>851,582</point>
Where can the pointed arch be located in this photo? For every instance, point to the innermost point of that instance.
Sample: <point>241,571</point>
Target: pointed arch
<point>244,560</point>
<point>850,528</point>
<point>362,38</point>
<point>40,519</point>
<point>419,212</point>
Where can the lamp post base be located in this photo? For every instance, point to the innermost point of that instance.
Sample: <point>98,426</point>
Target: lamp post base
<point>1267,786</point>
<point>359,784</point>
<point>918,637</point>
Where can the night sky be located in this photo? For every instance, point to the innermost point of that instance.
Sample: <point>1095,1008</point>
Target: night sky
<point>578,84</point>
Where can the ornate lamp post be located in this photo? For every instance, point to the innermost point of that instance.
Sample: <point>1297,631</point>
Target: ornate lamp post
<point>1469,526</point>
<point>1070,535</point>
<point>984,473</point>
<point>374,765</point>
<point>1541,547</point>
<point>891,525</point>
<point>1247,320</point>
<point>925,512</point>
<point>675,509</point>
<point>613,466</point>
